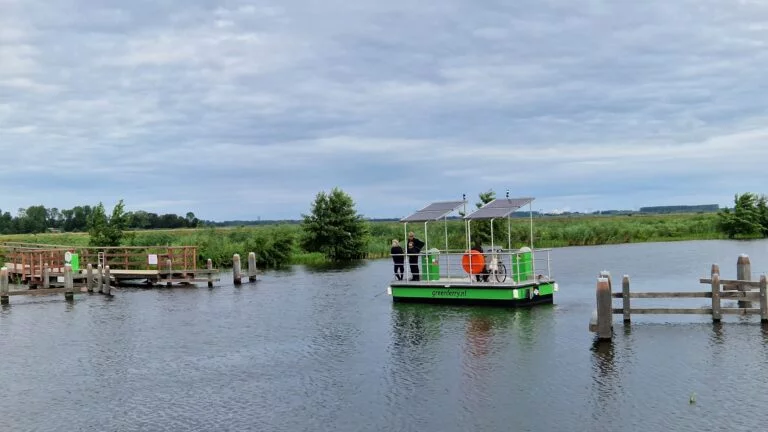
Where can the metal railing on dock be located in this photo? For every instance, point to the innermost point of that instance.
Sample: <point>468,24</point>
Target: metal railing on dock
<point>743,289</point>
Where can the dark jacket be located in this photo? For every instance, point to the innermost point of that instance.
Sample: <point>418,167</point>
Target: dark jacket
<point>397,254</point>
<point>414,248</point>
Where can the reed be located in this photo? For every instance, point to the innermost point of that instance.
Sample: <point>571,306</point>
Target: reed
<point>278,245</point>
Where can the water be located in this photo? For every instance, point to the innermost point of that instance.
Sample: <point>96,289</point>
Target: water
<point>324,350</point>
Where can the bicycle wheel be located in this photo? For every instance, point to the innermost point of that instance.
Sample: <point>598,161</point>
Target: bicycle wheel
<point>501,273</point>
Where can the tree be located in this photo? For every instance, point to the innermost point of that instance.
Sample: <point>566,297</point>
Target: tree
<point>745,220</point>
<point>105,231</point>
<point>481,229</point>
<point>334,227</point>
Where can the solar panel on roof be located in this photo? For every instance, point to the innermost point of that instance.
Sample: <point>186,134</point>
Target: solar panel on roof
<point>497,208</point>
<point>434,211</point>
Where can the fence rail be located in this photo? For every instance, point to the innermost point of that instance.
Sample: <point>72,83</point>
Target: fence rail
<point>740,289</point>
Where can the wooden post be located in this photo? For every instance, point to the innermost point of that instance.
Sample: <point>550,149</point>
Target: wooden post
<point>89,277</point>
<point>625,297</point>
<point>4,286</point>
<point>236,273</point>
<point>209,266</point>
<point>251,267</point>
<point>744,273</point>
<point>716,315</point>
<point>715,269</point>
<point>69,286</point>
<point>106,289</point>
<point>99,278</point>
<point>604,309</point>
<point>169,266</point>
<point>46,276</point>
<point>763,298</point>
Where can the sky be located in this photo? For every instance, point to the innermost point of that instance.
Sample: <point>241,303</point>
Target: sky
<point>248,109</point>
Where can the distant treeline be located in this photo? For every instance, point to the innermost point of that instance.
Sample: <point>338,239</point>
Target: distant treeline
<point>38,219</point>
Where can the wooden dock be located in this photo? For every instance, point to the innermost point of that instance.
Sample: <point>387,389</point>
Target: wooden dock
<point>27,262</point>
<point>743,289</point>
<point>47,268</point>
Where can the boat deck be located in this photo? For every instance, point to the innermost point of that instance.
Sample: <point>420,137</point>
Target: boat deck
<point>466,282</point>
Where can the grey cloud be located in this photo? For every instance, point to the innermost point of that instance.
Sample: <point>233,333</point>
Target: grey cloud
<point>585,104</point>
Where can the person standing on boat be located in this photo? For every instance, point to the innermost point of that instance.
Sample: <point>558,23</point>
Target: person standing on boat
<point>483,275</point>
<point>398,258</point>
<point>414,249</point>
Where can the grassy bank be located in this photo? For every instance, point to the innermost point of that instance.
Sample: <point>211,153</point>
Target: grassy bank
<point>279,243</point>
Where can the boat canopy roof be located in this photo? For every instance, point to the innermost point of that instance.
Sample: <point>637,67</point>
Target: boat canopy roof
<point>498,208</point>
<point>434,211</point>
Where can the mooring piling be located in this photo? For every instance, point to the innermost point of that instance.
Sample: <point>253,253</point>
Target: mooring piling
<point>604,308</point>
<point>106,288</point>
<point>743,273</point>
<point>252,267</point>
<point>763,299</point>
<point>625,297</point>
<point>209,266</point>
<point>46,276</point>
<point>99,278</point>
<point>69,286</point>
<point>169,267</point>
<point>89,277</point>
<point>4,286</point>
<point>236,271</point>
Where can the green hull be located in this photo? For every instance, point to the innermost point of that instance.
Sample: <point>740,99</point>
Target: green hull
<point>521,295</point>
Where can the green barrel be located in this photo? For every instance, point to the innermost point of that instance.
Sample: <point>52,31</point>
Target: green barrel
<point>430,265</point>
<point>522,265</point>
<point>75,263</point>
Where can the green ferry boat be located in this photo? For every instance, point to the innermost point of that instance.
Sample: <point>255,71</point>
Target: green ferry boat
<point>488,275</point>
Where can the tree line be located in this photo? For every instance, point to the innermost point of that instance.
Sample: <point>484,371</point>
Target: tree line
<point>38,219</point>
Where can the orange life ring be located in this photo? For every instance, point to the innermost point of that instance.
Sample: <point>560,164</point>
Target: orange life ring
<point>473,262</point>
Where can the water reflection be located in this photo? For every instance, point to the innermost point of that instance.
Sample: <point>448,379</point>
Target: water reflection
<point>478,335</point>
<point>606,386</point>
<point>764,331</point>
<point>717,333</point>
<point>335,267</point>
<point>409,326</point>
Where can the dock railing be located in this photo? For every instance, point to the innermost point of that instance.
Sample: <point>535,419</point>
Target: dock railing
<point>29,261</point>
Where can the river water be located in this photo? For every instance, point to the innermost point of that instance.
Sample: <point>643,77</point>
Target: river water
<point>324,350</point>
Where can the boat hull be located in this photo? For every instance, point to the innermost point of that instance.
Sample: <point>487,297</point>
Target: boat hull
<point>520,295</point>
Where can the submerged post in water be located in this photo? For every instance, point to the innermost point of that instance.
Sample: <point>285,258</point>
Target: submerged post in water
<point>89,277</point>
<point>743,273</point>
<point>106,289</point>
<point>209,266</point>
<point>763,299</point>
<point>69,286</point>
<point>252,267</point>
<point>169,266</point>
<point>99,279</point>
<point>716,313</point>
<point>604,309</point>
<point>46,276</point>
<point>625,298</point>
<point>236,273</point>
<point>4,285</point>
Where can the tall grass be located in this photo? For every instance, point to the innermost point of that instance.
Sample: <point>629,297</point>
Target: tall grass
<point>276,245</point>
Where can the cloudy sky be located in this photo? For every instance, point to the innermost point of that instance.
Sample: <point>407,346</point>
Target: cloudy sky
<point>241,110</point>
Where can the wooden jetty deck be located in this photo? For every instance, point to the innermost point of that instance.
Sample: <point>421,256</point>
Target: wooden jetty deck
<point>742,289</point>
<point>42,265</point>
<point>26,262</point>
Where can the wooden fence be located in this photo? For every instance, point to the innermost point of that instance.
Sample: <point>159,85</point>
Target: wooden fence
<point>742,289</point>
